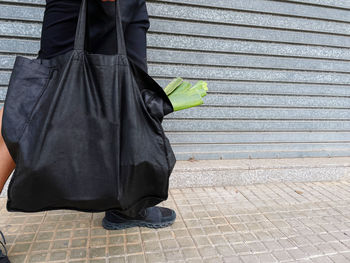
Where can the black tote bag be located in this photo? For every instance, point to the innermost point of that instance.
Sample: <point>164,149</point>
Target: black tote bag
<point>85,131</point>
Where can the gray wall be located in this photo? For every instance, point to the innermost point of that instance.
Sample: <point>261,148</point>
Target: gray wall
<point>278,72</point>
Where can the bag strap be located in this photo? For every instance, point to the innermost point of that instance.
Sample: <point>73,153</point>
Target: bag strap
<point>80,35</point>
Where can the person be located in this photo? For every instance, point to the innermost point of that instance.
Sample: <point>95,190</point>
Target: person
<point>3,251</point>
<point>57,37</point>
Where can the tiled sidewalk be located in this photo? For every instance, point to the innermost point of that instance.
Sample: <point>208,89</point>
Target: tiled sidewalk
<point>276,222</point>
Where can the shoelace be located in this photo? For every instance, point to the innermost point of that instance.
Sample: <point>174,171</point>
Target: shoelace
<point>3,243</point>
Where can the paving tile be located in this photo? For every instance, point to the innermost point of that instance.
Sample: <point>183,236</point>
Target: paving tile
<point>272,245</point>
<point>196,231</point>
<point>117,240</point>
<point>133,248</point>
<point>44,236</point>
<point>117,260</point>
<point>148,236</point>
<point>48,226</point>
<point>256,247</point>
<point>253,223</point>
<point>37,246</point>
<point>94,241</point>
<point>217,239</point>
<point>57,255</point>
<point>136,259</point>
<point>225,250</point>
<point>173,255</point>
<point>249,237</point>
<point>190,253</point>
<point>282,256</point>
<point>155,257</point>
<point>28,228</point>
<point>97,252</point>
<point>78,253</point>
<point>178,233</point>
<point>101,260</point>
<point>152,246</point>
<point>185,242</point>
<point>80,242</point>
<point>297,253</point>
<point>326,248</point>
<point>133,238</point>
<point>339,246</point>
<point>63,234</point>
<point>311,250</point>
<point>60,244</point>
<point>116,250</point>
<point>38,257</point>
<point>23,238</point>
<point>338,258</point>
<point>80,233</point>
<point>241,248</point>
<point>165,234</point>
<point>323,259</point>
<point>234,238</point>
<point>98,231</point>
<point>212,260</point>
<point>20,248</point>
<point>266,258</point>
<point>201,240</point>
<point>232,259</point>
<point>207,251</point>
<point>249,258</point>
<point>18,258</point>
<point>211,230</point>
<point>224,229</point>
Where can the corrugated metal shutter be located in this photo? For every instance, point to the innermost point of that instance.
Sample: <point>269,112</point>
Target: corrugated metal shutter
<point>278,72</point>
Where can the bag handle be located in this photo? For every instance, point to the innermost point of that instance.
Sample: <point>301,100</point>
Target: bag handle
<point>80,35</point>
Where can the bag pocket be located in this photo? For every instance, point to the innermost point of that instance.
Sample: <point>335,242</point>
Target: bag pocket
<point>28,81</point>
<point>154,104</point>
<point>156,108</point>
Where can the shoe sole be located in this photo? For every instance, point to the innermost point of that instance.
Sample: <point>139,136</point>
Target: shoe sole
<point>117,226</point>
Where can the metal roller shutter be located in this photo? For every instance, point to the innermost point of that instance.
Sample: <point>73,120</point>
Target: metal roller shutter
<point>278,72</point>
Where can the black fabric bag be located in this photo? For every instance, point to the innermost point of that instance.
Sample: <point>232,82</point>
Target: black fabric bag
<point>85,131</point>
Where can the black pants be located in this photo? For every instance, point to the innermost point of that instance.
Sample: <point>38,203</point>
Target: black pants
<point>60,20</point>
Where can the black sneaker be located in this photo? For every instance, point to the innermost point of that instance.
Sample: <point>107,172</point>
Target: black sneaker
<point>3,251</point>
<point>152,217</point>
